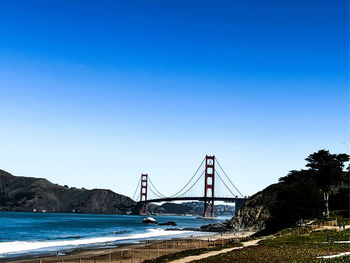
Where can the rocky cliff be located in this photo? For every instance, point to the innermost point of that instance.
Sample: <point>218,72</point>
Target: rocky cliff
<point>19,193</point>
<point>282,205</point>
<point>252,216</point>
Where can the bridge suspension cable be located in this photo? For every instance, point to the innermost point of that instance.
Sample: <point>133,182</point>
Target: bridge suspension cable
<point>156,190</point>
<point>157,193</point>
<point>137,187</point>
<point>183,190</point>
<point>151,189</point>
<point>178,192</point>
<point>228,178</point>
<point>224,183</point>
<point>192,184</point>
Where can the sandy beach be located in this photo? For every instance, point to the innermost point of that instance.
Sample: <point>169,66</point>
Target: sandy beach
<point>139,252</point>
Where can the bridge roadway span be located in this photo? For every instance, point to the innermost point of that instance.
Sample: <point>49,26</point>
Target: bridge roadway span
<point>168,199</point>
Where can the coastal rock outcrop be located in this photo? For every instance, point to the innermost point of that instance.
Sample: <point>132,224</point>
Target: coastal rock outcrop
<point>28,194</point>
<point>149,220</point>
<point>170,223</point>
<point>252,216</point>
<point>217,227</point>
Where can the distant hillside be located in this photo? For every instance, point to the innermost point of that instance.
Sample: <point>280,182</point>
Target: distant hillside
<point>170,208</point>
<point>189,208</point>
<point>19,193</point>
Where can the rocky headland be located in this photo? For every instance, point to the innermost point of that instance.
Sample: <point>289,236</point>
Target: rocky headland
<point>252,216</point>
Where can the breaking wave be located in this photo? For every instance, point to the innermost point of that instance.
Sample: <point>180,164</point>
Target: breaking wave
<point>18,247</point>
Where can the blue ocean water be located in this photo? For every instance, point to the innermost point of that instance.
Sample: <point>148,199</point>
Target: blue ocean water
<point>43,233</point>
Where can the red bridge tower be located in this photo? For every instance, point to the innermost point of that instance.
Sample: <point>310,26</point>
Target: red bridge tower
<point>143,194</point>
<point>209,186</point>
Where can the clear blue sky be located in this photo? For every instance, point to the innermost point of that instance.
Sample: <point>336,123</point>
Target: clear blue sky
<point>95,92</point>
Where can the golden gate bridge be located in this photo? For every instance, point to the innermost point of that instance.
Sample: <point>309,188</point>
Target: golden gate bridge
<point>211,177</point>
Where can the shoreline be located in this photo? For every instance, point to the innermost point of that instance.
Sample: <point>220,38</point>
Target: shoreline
<point>90,253</point>
<point>120,232</point>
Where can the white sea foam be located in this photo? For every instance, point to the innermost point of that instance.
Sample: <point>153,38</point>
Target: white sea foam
<point>28,246</point>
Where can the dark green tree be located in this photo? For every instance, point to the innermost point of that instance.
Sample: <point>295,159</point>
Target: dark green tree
<point>328,171</point>
<point>297,197</point>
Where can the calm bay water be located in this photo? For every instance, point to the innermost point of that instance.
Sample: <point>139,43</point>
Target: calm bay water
<point>45,233</point>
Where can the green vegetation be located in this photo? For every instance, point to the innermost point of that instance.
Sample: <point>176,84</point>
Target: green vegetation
<point>291,247</point>
<point>327,170</point>
<point>191,252</point>
<point>307,237</point>
<point>341,216</point>
<point>311,193</point>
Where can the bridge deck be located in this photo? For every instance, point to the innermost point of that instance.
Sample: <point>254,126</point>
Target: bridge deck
<point>168,199</point>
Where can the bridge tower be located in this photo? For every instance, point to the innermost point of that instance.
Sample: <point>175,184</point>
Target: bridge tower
<point>143,194</point>
<point>209,186</point>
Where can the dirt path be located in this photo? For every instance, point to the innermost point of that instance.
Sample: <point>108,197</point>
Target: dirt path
<point>337,255</point>
<point>214,253</point>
